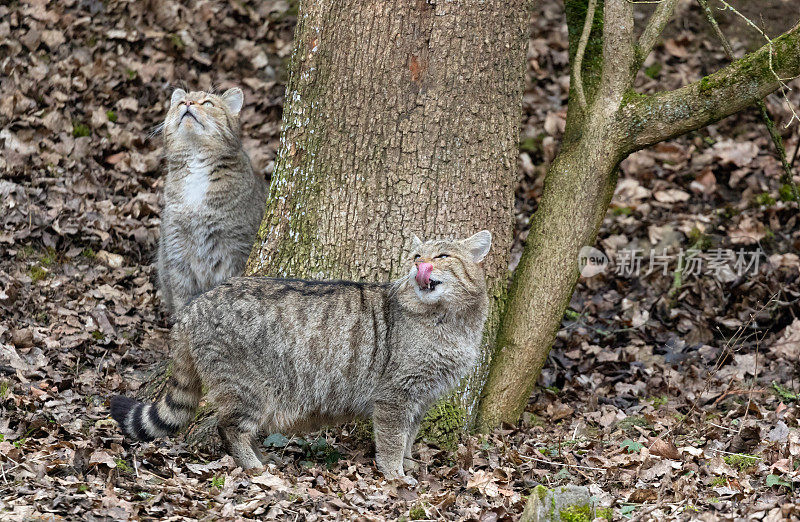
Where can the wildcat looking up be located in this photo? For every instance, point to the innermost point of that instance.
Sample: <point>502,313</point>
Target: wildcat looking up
<point>213,200</point>
<point>289,355</point>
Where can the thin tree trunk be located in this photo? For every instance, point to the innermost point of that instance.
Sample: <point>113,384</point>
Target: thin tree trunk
<point>578,188</point>
<point>400,118</point>
<point>577,191</point>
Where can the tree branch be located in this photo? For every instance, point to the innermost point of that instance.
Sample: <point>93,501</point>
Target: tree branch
<point>655,26</point>
<point>650,119</point>
<point>578,64</point>
<point>717,31</point>
<point>786,178</point>
<point>618,51</point>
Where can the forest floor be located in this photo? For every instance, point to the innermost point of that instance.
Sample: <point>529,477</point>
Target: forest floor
<point>671,395</point>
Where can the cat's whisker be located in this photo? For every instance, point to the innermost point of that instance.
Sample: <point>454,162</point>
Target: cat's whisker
<point>156,130</point>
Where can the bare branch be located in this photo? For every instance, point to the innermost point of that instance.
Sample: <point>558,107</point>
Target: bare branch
<point>717,31</point>
<point>783,87</point>
<point>619,54</point>
<point>786,178</point>
<point>655,26</point>
<point>576,72</point>
<point>651,119</point>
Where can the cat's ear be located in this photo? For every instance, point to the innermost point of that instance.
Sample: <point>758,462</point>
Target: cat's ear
<point>177,96</point>
<point>415,241</point>
<point>478,245</point>
<point>234,99</point>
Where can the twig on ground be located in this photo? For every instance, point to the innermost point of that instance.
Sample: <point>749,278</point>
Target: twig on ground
<point>177,485</point>
<point>718,364</point>
<point>36,458</point>
<point>722,427</point>
<point>752,387</point>
<point>737,392</point>
<point>738,454</point>
<point>545,461</point>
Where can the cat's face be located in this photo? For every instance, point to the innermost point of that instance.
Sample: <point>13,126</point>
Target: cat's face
<point>448,271</point>
<point>200,118</point>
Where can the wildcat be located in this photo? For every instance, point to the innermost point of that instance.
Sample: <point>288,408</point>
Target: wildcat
<point>213,200</point>
<point>292,355</point>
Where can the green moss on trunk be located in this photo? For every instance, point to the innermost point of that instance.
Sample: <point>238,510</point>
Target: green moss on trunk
<point>444,424</point>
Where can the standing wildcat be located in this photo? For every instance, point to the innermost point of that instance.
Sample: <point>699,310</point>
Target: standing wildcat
<point>288,355</point>
<point>213,200</point>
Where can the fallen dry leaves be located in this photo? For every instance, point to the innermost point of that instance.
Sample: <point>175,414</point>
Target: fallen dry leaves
<point>666,402</point>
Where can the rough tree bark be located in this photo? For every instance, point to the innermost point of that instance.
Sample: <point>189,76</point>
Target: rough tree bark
<point>400,118</point>
<point>613,122</point>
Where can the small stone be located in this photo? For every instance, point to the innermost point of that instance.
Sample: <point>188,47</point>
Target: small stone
<point>552,505</point>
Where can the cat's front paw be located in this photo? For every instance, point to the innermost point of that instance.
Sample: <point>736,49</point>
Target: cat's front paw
<point>401,480</point>
<point>405,480</point>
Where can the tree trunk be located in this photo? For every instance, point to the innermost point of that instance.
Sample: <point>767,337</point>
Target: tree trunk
<point>613,122</point>
<point>400,118</point>
<point>577,191</point>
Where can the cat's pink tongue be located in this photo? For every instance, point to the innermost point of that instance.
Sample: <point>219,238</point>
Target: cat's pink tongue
<point>424,274</point>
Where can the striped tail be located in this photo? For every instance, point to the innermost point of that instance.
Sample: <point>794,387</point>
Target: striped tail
<point>174,409</point>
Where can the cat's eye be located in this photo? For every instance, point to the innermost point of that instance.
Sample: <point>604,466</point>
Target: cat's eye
<point>442,256</point>
<point>416,257</point>
<point>207,104</point>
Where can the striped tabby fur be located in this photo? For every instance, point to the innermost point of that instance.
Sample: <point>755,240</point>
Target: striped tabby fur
<point>294,355</point>
<point>213,202</point>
